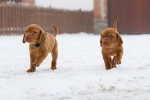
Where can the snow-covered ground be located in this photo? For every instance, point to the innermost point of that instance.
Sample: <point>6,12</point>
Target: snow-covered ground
<point>67,4</point>
<point>81,74</point>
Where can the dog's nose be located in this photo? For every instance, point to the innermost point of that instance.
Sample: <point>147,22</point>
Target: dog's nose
<point>27,37</point>
<point>105,41</point>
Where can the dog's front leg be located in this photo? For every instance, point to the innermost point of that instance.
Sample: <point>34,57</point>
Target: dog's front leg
<point>39,59</point>
<point>32,59</point>
<point>107,61</point>
<point>118,57</point>
<point>113,62</point>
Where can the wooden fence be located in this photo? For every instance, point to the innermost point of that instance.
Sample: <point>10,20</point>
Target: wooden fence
<point>14,18</point>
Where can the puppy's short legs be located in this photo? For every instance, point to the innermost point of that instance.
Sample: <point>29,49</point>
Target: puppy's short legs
<point>38,60</point>
<point>118,57</point>
<point>32,68</point>
<point>113,63</point>
<point>117,60</point>
<point>107,61</point>
<point>54,54</point>
<point>110,60</point>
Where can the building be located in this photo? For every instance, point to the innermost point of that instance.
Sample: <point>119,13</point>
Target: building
<point>133,15</point>
<point>100,15</point>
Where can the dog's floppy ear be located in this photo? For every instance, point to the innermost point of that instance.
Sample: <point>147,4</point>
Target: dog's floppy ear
<point>101,40</point>
<point>42,36</point>
<point>119,39</point>
<point>23,39</point>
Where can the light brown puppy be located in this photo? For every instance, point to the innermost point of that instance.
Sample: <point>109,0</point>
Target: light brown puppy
<point>111,43</point>
<point>40,44</point>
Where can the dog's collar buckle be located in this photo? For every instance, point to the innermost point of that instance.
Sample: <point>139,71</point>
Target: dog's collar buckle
<point>45,33</point>
<point>37,45</point>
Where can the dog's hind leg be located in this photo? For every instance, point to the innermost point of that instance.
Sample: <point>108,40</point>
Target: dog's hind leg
<point>54,54</point>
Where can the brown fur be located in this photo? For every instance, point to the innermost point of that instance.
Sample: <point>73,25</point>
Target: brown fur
<point>111,43</point>
<point>34,34</point>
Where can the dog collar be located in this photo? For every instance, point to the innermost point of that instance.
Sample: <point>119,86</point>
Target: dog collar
<point>38,44</point>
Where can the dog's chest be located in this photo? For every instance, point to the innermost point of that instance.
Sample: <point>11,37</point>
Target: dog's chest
<point>109,52</point>
<point>36,53</point>
<point>112,53</point>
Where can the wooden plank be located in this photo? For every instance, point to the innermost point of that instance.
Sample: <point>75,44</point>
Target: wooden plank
<point>133,16</point>
<point>14,18</point>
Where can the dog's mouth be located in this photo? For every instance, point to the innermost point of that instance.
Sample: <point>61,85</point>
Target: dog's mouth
<point>109,45</point>
<point>27,39</point>
<point>31,40</point>
<point>106,44</point>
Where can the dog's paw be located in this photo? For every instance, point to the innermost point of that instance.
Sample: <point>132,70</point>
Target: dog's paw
<point>35,64</point>
<point>108,68</point>
<point>113,65</point>
<point>117,62</point>
<point>53,68</point>
<point>31,70</point>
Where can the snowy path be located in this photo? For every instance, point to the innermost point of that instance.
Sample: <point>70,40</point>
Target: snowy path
<point>80,73</point>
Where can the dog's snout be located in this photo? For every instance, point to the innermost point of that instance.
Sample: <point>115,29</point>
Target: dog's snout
<point>106,41</point>
<point>27,37</point>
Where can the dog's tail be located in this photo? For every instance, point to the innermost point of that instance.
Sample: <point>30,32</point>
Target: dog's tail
<point>56,30</point>
<point>115,22</point>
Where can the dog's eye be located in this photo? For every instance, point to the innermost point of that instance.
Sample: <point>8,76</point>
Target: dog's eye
<point>34,32</point>
<point>102,36</point>
<point>111,36</point>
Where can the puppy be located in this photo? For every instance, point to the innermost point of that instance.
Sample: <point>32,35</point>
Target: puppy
<point>111,43</point>
<point>40,44</point>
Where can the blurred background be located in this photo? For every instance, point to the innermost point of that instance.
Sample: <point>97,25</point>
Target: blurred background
<point>73,16</point>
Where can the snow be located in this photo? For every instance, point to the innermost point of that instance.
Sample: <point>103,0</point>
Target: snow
<point>67,4</point>
<point>80,73</point>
